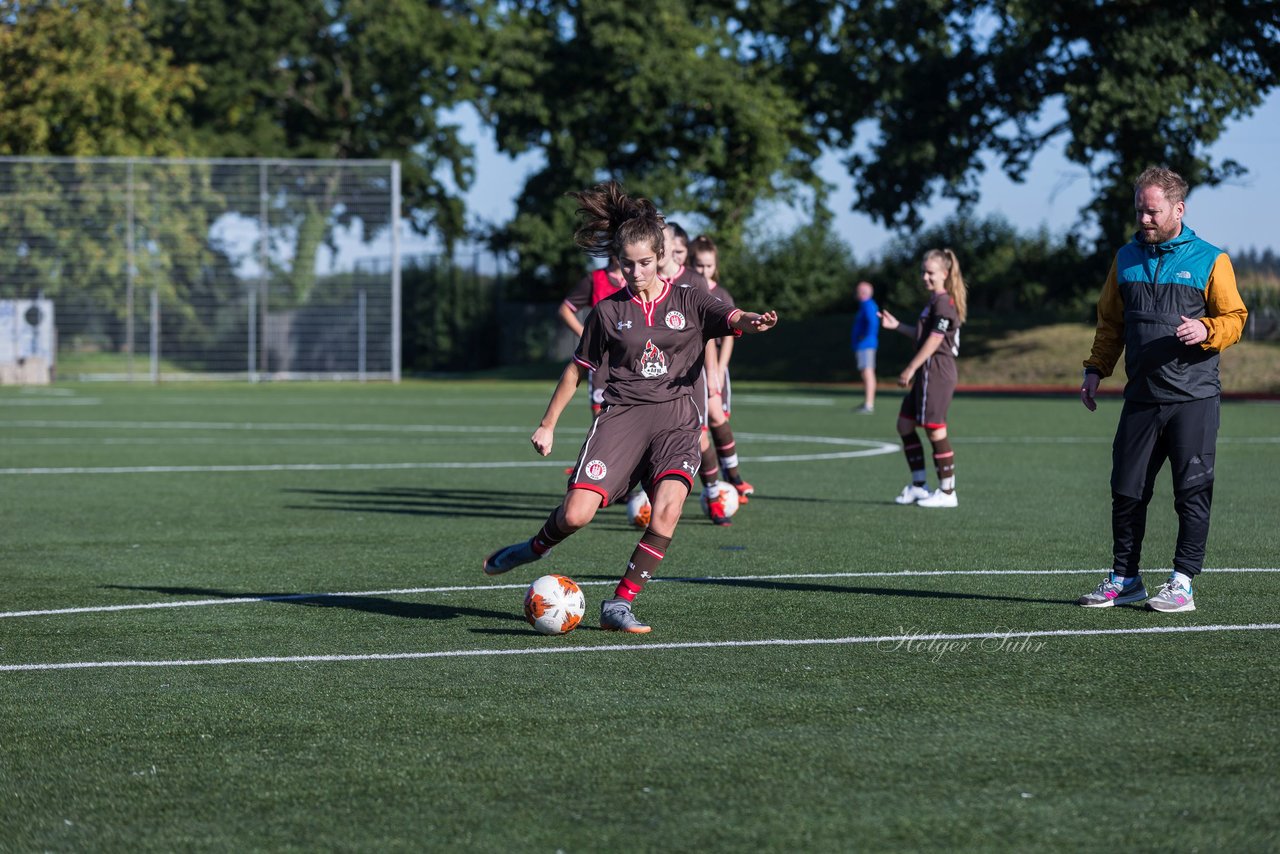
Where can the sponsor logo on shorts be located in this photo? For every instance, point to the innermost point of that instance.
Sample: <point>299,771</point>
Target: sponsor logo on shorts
<point>596,469</point>
<point>675,320</point>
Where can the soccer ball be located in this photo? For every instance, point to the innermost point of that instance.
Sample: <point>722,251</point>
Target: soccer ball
<point>554,604</point>
<point>730,496</point>
<point>639,510</point>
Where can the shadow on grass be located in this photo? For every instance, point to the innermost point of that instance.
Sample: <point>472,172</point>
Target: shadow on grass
<point>447,503</point>
<point>811,587</point>
<point>366,604</point>
<point>457,503</point>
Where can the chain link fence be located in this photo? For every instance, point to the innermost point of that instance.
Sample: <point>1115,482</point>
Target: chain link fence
<point>160,269</point>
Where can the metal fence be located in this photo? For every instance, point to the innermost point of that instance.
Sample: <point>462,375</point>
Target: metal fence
<point>158,269</point>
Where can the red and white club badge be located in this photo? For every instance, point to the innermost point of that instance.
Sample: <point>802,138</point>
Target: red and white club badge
<point>675,320</point>
<point>596,470</point>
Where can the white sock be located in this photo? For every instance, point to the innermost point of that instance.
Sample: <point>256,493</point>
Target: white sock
<point>1182,578</point>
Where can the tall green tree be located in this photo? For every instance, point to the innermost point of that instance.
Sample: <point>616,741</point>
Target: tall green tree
<point>337,79</point>
<point>664,96</point>
<point>82,79</point>
<point>1136,82</point>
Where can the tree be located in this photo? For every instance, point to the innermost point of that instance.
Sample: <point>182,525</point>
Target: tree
<point>1138,82</point>
<point>82,80</point>
<point>665,97</point>
<point>340,79</point>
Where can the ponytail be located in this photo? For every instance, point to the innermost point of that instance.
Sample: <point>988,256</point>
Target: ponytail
<point>954,284</point>
<point>611,221</point>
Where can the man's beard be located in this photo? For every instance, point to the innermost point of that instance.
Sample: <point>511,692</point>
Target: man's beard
<point>1158,235</point>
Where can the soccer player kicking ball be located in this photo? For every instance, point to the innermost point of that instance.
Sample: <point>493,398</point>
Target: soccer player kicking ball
<point>652,337</point>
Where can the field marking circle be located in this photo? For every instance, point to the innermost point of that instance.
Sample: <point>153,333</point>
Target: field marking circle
<point>864,448</point>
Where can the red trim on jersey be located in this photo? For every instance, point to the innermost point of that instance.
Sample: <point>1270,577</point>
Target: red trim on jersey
<point>672,280</point>
<point>584,363</point>
<point>650,307</point>
<point>595,489</point>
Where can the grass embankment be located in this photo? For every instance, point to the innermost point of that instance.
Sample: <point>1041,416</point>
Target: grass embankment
<point>817,350</point>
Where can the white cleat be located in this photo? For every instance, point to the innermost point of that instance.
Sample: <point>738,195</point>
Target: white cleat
<point>939,499</point>
<point>911,494</point>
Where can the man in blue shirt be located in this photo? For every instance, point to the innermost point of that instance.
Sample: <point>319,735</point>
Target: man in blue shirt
<point>864,340</point>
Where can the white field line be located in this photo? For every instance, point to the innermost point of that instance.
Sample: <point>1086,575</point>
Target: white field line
<point>253,426</point>
<point>866,448</point>
<point>729,579</point>
<point>916,639</point>
<point>285,467</point>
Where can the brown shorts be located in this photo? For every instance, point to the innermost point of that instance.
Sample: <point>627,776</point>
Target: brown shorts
<point>930,397</point>
<point>638,443</point>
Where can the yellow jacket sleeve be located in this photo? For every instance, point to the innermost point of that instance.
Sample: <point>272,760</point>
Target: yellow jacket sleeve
<point>1108,338</point>
<point>1225,312</point>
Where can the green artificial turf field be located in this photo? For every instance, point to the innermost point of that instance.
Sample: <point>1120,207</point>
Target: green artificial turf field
<point>253,617</point>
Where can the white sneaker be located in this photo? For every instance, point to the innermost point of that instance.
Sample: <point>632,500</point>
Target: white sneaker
<point>939,499</point>
<point>911,494</point>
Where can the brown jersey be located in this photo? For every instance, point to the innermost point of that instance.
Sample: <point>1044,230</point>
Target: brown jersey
<point>654,350</point>
<point>687,278</point>
<point>940,317</point>
<point>721,293</point>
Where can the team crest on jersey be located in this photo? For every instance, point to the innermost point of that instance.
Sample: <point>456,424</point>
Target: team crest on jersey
<point>675,320</point>
<point>596,469</point>
<point>653,362</point>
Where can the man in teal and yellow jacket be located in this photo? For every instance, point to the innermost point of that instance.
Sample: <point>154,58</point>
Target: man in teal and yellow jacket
<point>1171,305</point>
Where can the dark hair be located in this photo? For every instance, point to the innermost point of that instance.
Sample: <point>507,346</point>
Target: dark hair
<point>678,232</point>
<point>703,243</point>
<point>612,221</point>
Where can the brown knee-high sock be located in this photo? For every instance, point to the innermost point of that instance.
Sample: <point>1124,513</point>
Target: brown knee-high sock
<point>643,564</point>
<point>944,459</point>
<point>915,458</point>
<point>726,450</point>
<point>551,535</point>
<point>710,470</point>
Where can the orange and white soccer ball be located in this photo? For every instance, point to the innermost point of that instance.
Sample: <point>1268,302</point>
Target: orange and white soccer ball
<point>639,510</point>
<point>554,604</point>
<point>730,496</point>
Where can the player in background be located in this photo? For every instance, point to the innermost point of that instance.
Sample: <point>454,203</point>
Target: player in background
<point>864,338</point>
<point>652,336</point>
<point>675,272</point>
<point>931,373</point>
<point>719,389</point>
<point>590,289</point>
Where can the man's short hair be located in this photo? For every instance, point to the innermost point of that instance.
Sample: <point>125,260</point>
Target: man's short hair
<point>1173,185</point>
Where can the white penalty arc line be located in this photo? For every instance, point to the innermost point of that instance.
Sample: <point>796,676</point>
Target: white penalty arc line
<point>917,640</point>
<point>468,588</point>
<point>866,448</point>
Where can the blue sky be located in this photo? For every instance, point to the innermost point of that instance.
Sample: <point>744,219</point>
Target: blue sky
<point>1235,216</point>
